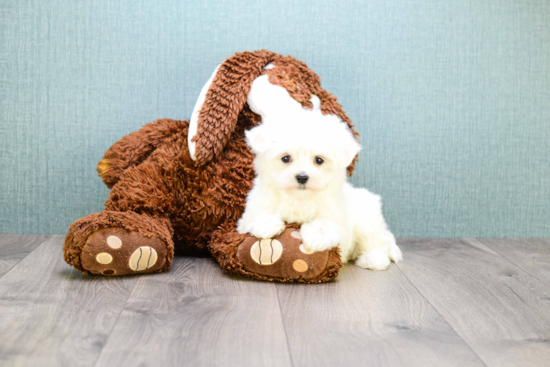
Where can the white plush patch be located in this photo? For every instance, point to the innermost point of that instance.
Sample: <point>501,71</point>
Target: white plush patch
<point>193,124</point>
<point>316,103</point>
<point>271,101</point>
<point>267,99</point>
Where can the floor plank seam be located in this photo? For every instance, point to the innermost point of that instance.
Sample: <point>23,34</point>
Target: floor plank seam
<point>116,322</point>
<point>24,257</point>
<point>442,317</point>
<point>510,261</point>
<point>284,325</point>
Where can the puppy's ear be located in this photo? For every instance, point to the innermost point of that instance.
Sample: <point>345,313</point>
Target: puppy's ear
<point>258,139</point>
<point>347,146</point>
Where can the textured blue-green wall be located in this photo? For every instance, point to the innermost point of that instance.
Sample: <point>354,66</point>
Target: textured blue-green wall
<point>452,98</point>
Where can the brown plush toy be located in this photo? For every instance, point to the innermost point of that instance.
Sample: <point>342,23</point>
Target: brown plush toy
<point>184,184</point>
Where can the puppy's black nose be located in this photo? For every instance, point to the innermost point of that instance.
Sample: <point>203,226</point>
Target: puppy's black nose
<point>302,179</point>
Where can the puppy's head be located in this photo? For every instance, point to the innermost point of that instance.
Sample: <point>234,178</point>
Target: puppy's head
<point>305,152</point>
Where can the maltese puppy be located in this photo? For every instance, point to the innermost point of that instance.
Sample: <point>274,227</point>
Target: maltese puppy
<point>301,163</point>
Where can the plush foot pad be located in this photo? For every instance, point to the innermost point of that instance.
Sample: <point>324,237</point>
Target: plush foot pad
<point>116,251</point>
<point>283,256</point>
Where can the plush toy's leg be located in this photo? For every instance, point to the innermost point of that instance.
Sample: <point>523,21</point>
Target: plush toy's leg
<point>119,243</point>
<point>282,258</point>
<point>135,147</point>
<point>133,234</point>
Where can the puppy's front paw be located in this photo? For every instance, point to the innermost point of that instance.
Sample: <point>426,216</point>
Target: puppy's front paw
<point>375,259</point>
<point>266,226</point>
<point>319,236</point>
<point>395,253</point>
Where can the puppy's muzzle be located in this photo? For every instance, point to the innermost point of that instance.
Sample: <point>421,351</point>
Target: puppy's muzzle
<point>302,179</point>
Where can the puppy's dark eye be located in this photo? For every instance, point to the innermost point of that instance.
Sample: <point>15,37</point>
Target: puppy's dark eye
<point>286,159</point>
<point>319,160</point>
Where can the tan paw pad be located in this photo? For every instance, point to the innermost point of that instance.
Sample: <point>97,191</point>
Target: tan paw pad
<point>104,258</point>
<point>305,250</point>
<point>143,258</point>
<point>114,242</point>
<point>300,266</point>
<point>266,251</point>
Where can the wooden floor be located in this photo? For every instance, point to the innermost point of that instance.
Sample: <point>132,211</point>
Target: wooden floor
<point>452,302</point>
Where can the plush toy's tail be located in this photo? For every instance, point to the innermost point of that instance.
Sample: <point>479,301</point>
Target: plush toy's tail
<point>134,148</point>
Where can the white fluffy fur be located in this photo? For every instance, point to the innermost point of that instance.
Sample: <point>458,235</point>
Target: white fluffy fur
<point>331,211</point>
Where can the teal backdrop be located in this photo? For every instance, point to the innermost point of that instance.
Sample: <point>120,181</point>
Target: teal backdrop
<point>452,98</point>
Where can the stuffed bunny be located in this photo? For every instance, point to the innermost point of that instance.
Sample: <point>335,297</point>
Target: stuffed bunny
<point>184,183</point>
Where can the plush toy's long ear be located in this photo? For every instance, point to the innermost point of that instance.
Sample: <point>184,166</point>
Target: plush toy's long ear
<point>222,99</point>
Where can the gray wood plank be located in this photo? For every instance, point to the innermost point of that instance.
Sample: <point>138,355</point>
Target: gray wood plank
<point>196,315</point>
<point>530,254</point>
<point>14,248</point>
<point>500,310</point>
<point>368,318</point>
<point>52,315</point>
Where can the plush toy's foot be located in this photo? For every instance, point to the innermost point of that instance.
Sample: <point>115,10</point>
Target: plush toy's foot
<point>282,258</point>
<point>119,243</point>
<point>116,251</point>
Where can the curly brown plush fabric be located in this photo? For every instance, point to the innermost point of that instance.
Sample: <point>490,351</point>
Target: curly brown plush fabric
<point>158,190</point>
<point>225,100</point>
<point>132,149</point>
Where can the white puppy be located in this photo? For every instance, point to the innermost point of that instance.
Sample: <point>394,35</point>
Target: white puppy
<point>301,163</point>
